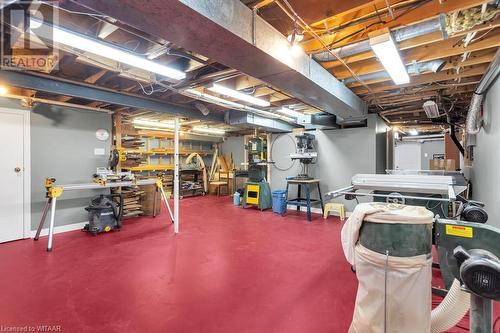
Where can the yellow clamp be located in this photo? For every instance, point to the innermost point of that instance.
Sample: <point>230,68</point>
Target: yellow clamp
<point>159,183</point>
<point>49,182</point>
<point>52,191</point>
<point>99,180</point>
<point>55,192</point>
<point>122,157</point>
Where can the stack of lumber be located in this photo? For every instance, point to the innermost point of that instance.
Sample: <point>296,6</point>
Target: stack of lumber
<point>167,179</point>
<point>133,160</point>
<point>132,197</point>
<point>134,143</point>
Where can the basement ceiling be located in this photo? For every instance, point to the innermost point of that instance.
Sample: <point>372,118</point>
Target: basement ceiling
<point>465,43</point>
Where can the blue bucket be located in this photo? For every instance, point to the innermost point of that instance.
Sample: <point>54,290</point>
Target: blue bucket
<point>279,201</point>
<point>236,198</point>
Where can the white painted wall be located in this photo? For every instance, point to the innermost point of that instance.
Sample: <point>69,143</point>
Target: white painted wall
<point>485,173</point>
<point>429,148</point>
<point>407,156</point>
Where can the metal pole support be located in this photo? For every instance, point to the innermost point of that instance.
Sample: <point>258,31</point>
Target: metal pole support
<point>51,225</point>
<point>42,220</point>
<point>480,315</point>
<point>167,204</point>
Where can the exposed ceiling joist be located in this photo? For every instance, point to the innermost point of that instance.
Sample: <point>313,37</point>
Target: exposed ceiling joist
<point>414,42</point>
<point>225,32</point>
<point>473,60</point>
<point>426,11</point>
<point>425,78</point>
<point>438,50</point>
<point>53,85</point>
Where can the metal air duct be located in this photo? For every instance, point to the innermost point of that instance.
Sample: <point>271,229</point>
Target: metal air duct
<point>414,69</point>
<point>488,78</point>
<point>398,35</point>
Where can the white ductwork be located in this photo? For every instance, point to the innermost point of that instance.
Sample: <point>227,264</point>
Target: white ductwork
<point>413,69</point>
<point>398,36</point>
<point>473,125</point>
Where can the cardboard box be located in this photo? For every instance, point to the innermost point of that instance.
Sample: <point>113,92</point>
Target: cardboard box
<point>447,165</point>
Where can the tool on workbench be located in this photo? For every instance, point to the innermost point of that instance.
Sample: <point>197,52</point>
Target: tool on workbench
<point>104,175</point>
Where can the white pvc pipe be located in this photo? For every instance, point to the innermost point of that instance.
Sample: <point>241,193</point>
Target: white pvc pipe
<point>451,310</point>
<point>176,176</point>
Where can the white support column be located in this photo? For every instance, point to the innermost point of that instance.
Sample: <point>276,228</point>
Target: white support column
<point>176,176</point>
<point>269,158</point>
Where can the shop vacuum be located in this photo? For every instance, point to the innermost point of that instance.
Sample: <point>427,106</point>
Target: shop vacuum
<point>104,214</point>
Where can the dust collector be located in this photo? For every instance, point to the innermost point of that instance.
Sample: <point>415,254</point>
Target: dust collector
<point>390,246</point>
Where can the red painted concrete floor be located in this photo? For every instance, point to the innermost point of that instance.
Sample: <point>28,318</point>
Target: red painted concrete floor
<point>229,270</point>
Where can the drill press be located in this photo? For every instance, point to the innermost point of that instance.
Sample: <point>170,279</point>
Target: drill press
<point>305,154</point>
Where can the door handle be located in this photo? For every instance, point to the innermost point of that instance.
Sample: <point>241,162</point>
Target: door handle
<point>17,169</point>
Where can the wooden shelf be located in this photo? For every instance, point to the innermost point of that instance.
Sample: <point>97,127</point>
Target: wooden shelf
<point>150,167</point>
<point>167,152</point>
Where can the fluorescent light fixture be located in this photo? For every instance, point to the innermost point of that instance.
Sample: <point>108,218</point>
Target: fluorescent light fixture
<point>193,93</point>
<point>169,130</point>
<point>387,53</point>
<point>213,98</point>
<point>238,95</point>
<point>100,48</point>
<point>153,123</point>
<point>288,112</point>
<point>431,109</point>
<point>3,90</point>
<point>413,132</point>
<point>209,130</point>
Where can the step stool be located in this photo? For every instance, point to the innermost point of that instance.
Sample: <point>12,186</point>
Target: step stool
<point>335,207</point>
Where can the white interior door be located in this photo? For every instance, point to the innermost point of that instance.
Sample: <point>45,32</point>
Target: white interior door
<point>12,173</point>
<point>407,156</point>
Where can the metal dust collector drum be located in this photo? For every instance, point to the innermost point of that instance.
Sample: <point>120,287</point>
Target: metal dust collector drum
<point>392,256</point>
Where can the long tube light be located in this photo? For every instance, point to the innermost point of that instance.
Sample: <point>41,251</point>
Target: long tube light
<point>387,53</point>
<point>238,95</point>
<point>103,49</point>
<point>209,130</point>
<point>288,112</point>
<point>213,98</point>
<point>153,123</point>
<point>193,93</point>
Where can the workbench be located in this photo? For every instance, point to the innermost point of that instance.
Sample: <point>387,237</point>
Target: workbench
<point>307,201</point>
<point>55,191</point>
